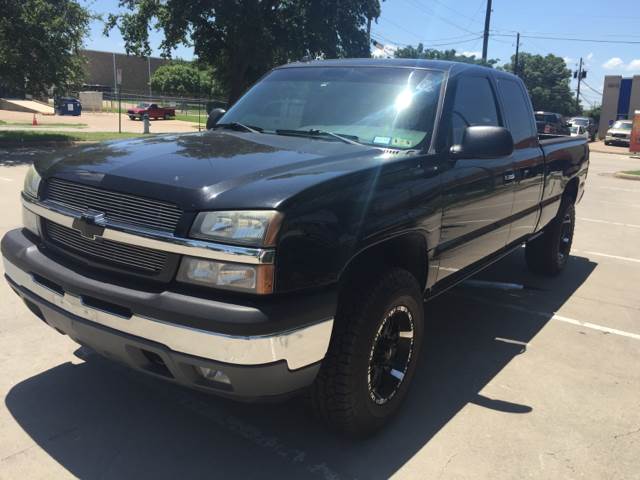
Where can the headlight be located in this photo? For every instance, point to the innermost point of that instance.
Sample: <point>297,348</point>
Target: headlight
<point>32,182</point>
<point>228,276</point>
<point>250,227</point>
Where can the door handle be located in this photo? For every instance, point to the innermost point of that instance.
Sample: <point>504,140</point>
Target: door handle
<point>509,177</point>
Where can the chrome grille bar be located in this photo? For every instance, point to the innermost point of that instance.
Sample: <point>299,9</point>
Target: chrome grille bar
<point>122,207</point>
<point>127,255</point>
<point>154,239</point>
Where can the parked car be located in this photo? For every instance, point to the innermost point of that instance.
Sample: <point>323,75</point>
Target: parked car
<point>619,133</point>
<point>152,110</point>
<point>588,123</point>
<point>579,131</point>
<point>290,248</point>
<point>551,123</point>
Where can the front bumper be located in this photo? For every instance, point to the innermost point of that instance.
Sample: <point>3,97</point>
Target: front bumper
<point>617,140</point>
<point>104,317</point>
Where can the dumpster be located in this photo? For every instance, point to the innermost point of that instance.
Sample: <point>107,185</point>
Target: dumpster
<point>69,106</point>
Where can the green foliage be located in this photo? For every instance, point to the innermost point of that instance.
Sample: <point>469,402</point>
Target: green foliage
<point>433,54</point>
<point>548,80</point>
<point>39,45</point>
<point>183,79</point>
<point>243,39</point>
<point>594,113</point>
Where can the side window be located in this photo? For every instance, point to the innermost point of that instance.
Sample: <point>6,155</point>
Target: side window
<point>517,113</point>
<point>474,104</point>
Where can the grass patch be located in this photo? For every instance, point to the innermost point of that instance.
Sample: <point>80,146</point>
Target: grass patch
<point>192,118</point>
<point>45,125</point>
<point>32,137</point>
<point>633,172</point>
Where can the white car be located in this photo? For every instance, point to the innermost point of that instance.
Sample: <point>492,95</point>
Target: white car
<point>579,131</point>
<point>619,133</point>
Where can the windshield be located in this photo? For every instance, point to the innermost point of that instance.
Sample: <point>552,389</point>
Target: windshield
<point>580,121</point>
<point>387,107</point>
<point>622,125</point>
<point>545,117</point>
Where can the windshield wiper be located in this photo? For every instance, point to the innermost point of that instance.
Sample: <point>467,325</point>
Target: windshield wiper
<point>352,139</point>
<point>238,125</point>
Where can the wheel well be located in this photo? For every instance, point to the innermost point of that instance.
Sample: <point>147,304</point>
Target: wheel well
<point>407,251</point>
<point>571,190</point>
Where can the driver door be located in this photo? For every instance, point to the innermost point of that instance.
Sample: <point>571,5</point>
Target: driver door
<point>478,193</point>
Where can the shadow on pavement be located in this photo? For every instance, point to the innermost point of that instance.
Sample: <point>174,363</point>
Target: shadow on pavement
<point>98,419</point>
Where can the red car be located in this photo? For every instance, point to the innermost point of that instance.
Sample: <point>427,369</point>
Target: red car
<point>152,110</point>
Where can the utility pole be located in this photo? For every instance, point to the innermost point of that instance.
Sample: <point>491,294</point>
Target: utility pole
<point>149,70</point>
<point>580,76</point>
<point>487,25</point>
<point>516,66</point>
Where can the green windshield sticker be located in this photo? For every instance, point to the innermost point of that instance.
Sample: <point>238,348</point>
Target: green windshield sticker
<point>401,142</point>
<point>382,140</point>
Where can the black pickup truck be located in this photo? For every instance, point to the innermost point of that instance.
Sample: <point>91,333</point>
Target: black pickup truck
<point>290,248</point>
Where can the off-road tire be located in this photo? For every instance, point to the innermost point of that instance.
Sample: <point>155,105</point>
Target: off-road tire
<point>342,395</point>
<point>548,254</point>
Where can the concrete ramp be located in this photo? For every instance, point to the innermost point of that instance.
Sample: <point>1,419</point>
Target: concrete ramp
<point>29,106</point>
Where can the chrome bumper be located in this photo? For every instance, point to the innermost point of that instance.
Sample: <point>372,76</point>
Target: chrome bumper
<point>299,348</point>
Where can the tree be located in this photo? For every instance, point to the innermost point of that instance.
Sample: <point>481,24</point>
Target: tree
<point>548,80</point>
<point>433,54</point>
<point>39,45</point>
<point>243,39</point>
<point>183,79</point>
<point>594,113</point>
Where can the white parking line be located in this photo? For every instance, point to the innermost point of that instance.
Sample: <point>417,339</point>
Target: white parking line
<point>559,318</point>
<point>5,179</point>
<point>633,205</point>
<point>606,222</point>
<point>635,190</point>
<point>606,255</point>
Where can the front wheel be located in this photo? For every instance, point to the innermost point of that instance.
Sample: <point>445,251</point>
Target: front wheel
<point>548,253</point>
<point>167,116</point>
<point>372,356</point>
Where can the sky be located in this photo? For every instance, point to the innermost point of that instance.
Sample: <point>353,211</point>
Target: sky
<point>445,24</point>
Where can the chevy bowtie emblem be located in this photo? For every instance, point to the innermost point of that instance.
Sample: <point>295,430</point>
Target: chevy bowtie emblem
<point>90,224</point>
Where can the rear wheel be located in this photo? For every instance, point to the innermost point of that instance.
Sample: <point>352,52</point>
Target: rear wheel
<point>167,116</point>
<point>548,253</point>
<point>132,117</point>
<point>373,354</point>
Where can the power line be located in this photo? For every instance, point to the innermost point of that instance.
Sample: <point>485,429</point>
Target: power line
<point>431,13</point>
<point>591,88</point>
<point>457,12</point>
<point>585,40</point>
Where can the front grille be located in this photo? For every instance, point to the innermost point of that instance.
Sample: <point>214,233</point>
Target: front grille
<point>151,261</point>
<point>117,207</point>
<point>620,135</point>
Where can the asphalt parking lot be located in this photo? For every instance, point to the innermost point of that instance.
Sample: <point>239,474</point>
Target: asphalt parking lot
<point>541,381</point>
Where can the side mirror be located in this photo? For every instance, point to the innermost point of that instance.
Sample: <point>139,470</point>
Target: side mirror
<point>484,142</point>
<point>214,116</point>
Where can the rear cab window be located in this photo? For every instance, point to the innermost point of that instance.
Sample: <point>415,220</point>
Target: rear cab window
<point>518,113</point>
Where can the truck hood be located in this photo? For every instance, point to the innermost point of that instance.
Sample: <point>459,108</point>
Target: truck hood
<point>211,170</point>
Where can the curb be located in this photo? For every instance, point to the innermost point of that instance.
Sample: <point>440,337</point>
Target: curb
<point>627,176</point>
